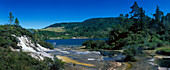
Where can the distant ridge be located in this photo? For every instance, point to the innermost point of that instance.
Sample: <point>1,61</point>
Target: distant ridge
<point>90,28</point>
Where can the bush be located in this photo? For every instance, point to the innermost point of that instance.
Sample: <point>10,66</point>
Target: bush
<point>46,45</point>
<point>165,62</point>
<point>130,54</point>
<point>18,61</point>
<point>10,60</point>
<point>3,41</point>
<point>150,45</point>
<point>57,64</point>
<point>163,52</point>
<point>98,44</point>
<point>87,43</point>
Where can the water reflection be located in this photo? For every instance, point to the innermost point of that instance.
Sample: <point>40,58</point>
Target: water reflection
<point>164,62</point>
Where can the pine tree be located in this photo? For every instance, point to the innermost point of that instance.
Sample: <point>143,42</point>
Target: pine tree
<point>141,17</point>
<point>127,15</point>
<point>135,10</point>
<point>121,15</point>
<point>16,21</point>
<point>11,18</point>
<point>158,14</point>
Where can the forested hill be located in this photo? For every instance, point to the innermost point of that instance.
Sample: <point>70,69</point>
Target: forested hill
<point>92,22</point>
<point>66,25</point>
<point>91,28</point>
<point>103,23</point>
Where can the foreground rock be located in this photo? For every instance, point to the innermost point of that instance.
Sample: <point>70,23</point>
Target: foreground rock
<point>84,60</point>
<point>35,50</point>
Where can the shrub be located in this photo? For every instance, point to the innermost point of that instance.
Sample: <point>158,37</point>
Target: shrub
<point>150,45</point>
<point>46,45</point>
<point>10,60</point>
<point>163,52</point>
<point>98,44</point>
<point>130,54</point>
<point>57,64</point>
<point>3,41</point>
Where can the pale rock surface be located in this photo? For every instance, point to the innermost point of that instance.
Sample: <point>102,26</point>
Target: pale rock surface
<point>36,51</point>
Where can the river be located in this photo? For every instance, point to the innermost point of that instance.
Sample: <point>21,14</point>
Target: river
<point>77,59</point>
<point>69,42</point>
<point>67,50</point>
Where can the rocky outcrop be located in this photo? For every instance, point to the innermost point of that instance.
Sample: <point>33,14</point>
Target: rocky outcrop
<point>114,65</point>
<point>34,49</point>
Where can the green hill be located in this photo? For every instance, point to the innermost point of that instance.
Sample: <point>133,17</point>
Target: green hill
<point>91,28</point>
<point>6,38</point>
<point>19,60</point>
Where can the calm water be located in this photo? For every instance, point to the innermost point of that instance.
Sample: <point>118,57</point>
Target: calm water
<point>71,41</point>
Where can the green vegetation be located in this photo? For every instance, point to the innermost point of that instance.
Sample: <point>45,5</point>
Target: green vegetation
<point>102,27</point>
<point>165,62</point>
<point>16,21</point>
<point>14,60</point>
<point>7,39</point>
<point>55,29</point>
<point>140,33</point>
<point>10,60</point>
<point>11,18</point>
<point>164,51</point>
<point>6,32</point>
<point>99,44</point>
<point>130,53</point>
<point>91,28</point>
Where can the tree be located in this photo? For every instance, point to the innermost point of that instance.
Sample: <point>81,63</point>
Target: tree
<point>135,10</point>
<point>167,21</point>
<point>121,15</point>
<point>121,18</point>
<point>141,17</point>
<point>158,14</point>
<point>11,17</point>
<point>16,21</point>
<point>127,15</point>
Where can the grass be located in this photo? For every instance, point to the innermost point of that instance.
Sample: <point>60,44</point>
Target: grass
<point>126,66</point>
<point>68,60</point>
<point>55,29</point>
<point>149,52</point>
<point>158,56</point>
<point>166,48</point>
<point>161,48</point>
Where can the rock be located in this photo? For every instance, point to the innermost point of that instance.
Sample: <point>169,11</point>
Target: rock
<point>118,64</point>
<point>36,51</point>
<point>114,65</point>
<point>90,59</point>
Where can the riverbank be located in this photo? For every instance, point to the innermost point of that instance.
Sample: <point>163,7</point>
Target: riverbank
<point>84,60</point>
<point>142,63</point>
<point>66,37</point>
<point>68,60</point>
<point>76,57</point>
<point>93,60</point>
<point>149,60</point>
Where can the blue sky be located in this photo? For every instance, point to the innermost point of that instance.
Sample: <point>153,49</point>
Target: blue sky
<point>41,13</point>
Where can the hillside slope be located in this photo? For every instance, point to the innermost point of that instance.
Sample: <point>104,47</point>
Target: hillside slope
<point>23,49</point>
<point>91,28</point>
